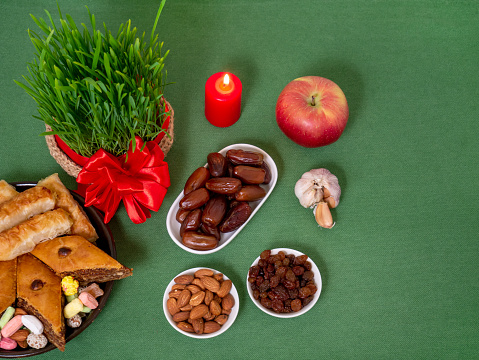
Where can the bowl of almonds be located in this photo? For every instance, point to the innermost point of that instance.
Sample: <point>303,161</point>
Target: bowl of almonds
<point>201,303</point>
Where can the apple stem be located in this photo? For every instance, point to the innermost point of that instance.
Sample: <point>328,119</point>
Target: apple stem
<point>313,103</point>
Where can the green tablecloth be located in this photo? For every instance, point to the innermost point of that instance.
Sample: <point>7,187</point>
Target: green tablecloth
<point>399,269</point>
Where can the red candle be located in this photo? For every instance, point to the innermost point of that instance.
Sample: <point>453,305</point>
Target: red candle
<point>223,99</point>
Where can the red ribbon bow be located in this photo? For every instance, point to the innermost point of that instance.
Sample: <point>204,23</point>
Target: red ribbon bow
<point>141,181</point>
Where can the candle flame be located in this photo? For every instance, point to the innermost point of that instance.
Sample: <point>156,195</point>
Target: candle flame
<point>226,80</point>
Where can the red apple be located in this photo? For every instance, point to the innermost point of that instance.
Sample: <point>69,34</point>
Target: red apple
<point>312,111</point>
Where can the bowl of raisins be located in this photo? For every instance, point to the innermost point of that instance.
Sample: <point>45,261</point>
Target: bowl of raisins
<point>284,282</point>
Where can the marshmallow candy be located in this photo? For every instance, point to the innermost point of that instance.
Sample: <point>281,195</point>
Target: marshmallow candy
<point>33,324</point>
<point>12,326</point>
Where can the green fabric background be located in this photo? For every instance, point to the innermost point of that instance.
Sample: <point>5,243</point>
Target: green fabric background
<point>399,269</point>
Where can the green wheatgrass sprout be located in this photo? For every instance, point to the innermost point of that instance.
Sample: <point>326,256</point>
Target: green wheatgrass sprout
<point>97,90</point>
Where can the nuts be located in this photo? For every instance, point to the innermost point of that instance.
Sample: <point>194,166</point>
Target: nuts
<point>184,279</point>
<point>209,301</point>
<point>210,283</point>
<point>224,288</point>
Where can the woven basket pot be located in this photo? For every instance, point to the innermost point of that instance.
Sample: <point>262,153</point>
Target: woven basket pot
<point>73,169</point>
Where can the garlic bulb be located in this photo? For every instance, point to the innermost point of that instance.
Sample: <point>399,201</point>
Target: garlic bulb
<point>319,189</point>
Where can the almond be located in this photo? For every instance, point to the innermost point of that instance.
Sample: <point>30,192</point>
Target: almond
<point>218,276</point>
<point>193,288</point>
<point>182,325</point>
<point>208,297</point>
<point>19,311</point>
<point>186,308</point>
<point>225,288</point>
<point>210,283</point>
<point>198,311</point>
<point>172,306</point>
<point>181,316</point>
<point>228,302</point>
<point>23,344</point>
<point>198,325</point>
<point>20,335</point>
<point>226,312</point>
<point>204,272</point>
<point>221,319</point>
<point>197,299</point>
<point>209,316</point>
<point>184,298</point>
<point>174,293</point>
<point>211,327</point>
<point>184,279</point>
<point>198,283</point>
<point>178,287</point>
<point>215,308</point>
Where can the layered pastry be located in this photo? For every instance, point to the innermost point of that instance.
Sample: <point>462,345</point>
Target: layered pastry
<point>7,191</point>
<point>24,205</point>
<point>77,257</point>
<point>23,238</point>
<point>64,200</point>
<point>39,293</point>
<point>8,283</point>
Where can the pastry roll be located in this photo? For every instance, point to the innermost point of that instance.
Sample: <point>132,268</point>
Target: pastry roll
<point>23,206</point>
<point>7,191</point>
<point>64,200</point>
<point>24,237</point>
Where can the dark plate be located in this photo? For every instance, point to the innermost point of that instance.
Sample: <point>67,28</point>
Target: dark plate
<point>104,242</point>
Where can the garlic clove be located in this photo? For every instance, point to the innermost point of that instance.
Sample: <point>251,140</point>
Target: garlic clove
<point>323,215</point>
<point>330,201</point>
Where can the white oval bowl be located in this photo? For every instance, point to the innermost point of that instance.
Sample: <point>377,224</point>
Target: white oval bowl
<point>173,226</point>
<point>317,281</point>
<point>224,327</point>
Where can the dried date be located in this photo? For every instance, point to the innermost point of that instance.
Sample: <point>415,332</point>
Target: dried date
<point>217,164</point>
<point>249,174</point>
<point>236,217</point>
<point>192,222</point>
<point>242,157</point>
<point>195,199</point>
<point>250,193</point>
<point>197,241</point>
<point>196,180</point>
<point>223,185</point>
<point>214,211</point>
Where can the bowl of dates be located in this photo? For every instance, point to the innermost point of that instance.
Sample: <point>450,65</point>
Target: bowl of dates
<point>284,282</point>
<point>221,197</point>
<point>201,303</point>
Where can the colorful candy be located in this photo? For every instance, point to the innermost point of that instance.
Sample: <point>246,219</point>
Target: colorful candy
<point>72,308</point>
<point>37,341</point>
<point>88,300</point>
<point>69,285</point>
<point>7,316</point>
<point>12,326</point>
<point>75,321</point>
<point>93,289</point>
<point>7,344</point>
<point>33,324</point>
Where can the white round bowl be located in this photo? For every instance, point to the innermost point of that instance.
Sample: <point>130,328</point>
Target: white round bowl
<point>317,281</point>
<point>173,226</point>
<point>224,327</point>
